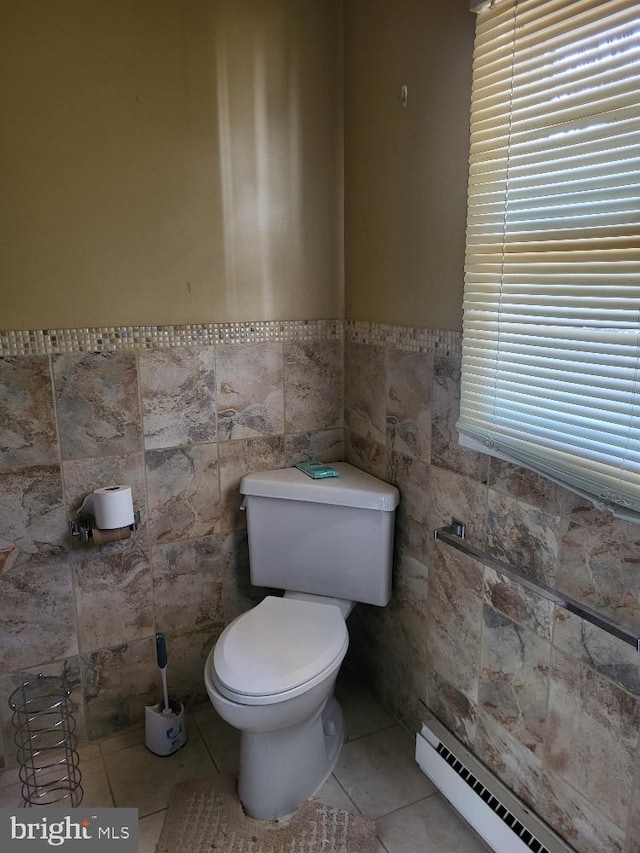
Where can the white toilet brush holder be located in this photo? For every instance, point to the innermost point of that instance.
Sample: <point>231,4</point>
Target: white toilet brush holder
<point>164,733</point>
<point>165,729</point>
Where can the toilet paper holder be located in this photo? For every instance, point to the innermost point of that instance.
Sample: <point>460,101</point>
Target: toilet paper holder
<point>106,515</point>
<point>83,527</point>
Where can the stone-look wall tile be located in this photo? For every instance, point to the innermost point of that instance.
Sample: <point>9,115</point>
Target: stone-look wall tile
<point>238,458</point>
<point>367,657</point>
<point>518,603</point>
<point>118,682</point>
<point>404,668</point>
<point>413,528</point>
<point>33,525</point>
<point>523,515</point>
<point>183,492</point>
<point>454,496</point>
<point>366,454</point>
<point>37,616</point>
<point>526,486</point>
<point>513,762</point>
<point>366,407</point>
<point>523,536</point>
<point>576,819</point>
<point>250,390</point>
<point>187,583</point>
<point>238,592</point>
<point>114,596</point>
<point>384,415</point>
<point>409,598</point>
<point>592,736</point>
<point>514,678</point>
<point>188,656</point>
<point>405,651</point>
<point>98,404</point>
<point>409,387</point>
<point>458,713</point>
<point>633,830</point>
<point>454,607</point>
<point>28,434</point>
<point>178,390</point>
<point>313,386</point>
<point>609,656</point>
<point>445,449</point>
<point>454,626</point>
<point>600,562</point>
<point>322,446</point>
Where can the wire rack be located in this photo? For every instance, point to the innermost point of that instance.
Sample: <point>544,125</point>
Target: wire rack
<point>46,742</point>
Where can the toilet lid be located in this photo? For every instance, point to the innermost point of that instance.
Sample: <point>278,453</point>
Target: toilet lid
<point>278,645</point>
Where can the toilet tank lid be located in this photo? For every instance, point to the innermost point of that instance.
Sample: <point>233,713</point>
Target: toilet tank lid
<point>352,488</point>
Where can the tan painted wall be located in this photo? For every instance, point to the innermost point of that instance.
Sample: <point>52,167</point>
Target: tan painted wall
<point>406,167</point>
<point>169,161</point>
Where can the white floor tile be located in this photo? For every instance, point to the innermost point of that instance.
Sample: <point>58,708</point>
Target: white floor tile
<point>9,776</point>
<point>362,714</point>
<point>149,829</point>
<point>379,774</point>
<point>89,751</point>
<point>94,782</point>
<point>429,826</point>
<point>130,737</point>
<point>333,794</point>
<point>144,781</point>
<point>11,795</point>
<point>95,785</point>
<point>222,740</point>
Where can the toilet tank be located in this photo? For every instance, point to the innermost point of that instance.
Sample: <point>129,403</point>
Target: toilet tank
<point>326,537</point>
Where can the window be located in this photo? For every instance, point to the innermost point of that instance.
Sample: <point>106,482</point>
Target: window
<point>551,343</point>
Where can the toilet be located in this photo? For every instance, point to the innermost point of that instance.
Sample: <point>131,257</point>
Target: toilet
<point>325,544</point>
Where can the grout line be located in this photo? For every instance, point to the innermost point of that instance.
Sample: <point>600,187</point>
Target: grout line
<point>107,777</point>
<point>153,814</point>
<point>192,722</point>
<point>391,725</point>
<point>346,793</point>
<point>407,805</point>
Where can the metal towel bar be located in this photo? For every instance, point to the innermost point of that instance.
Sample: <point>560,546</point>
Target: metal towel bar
<point>454,535</point>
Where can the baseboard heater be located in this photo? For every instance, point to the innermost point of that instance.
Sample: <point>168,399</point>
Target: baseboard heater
<point>495,813</point>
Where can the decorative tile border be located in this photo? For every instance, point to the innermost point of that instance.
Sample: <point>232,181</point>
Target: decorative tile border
<point>436,341</point>
<point>105,339</point>
<point>109,338</point>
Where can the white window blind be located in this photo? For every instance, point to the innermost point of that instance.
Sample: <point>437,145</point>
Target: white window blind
<point>551,343</point>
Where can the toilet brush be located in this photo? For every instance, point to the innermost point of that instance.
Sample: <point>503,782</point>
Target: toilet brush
<point>165,730</point>
<point>161,655</point>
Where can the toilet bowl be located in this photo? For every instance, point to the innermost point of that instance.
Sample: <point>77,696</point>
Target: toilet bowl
<point>271,675</point>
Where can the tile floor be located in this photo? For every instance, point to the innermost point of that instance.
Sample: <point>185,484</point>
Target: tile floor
<point>376,775</point>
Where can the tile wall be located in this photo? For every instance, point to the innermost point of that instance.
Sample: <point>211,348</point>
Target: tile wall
<point>180,422</point>
<point>549,703</point>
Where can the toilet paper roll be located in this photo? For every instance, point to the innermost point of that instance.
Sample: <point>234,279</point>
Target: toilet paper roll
<point>111,506</point>
<point>103,537</point>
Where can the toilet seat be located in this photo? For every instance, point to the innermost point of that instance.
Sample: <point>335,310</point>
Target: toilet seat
<point>278,649</point>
